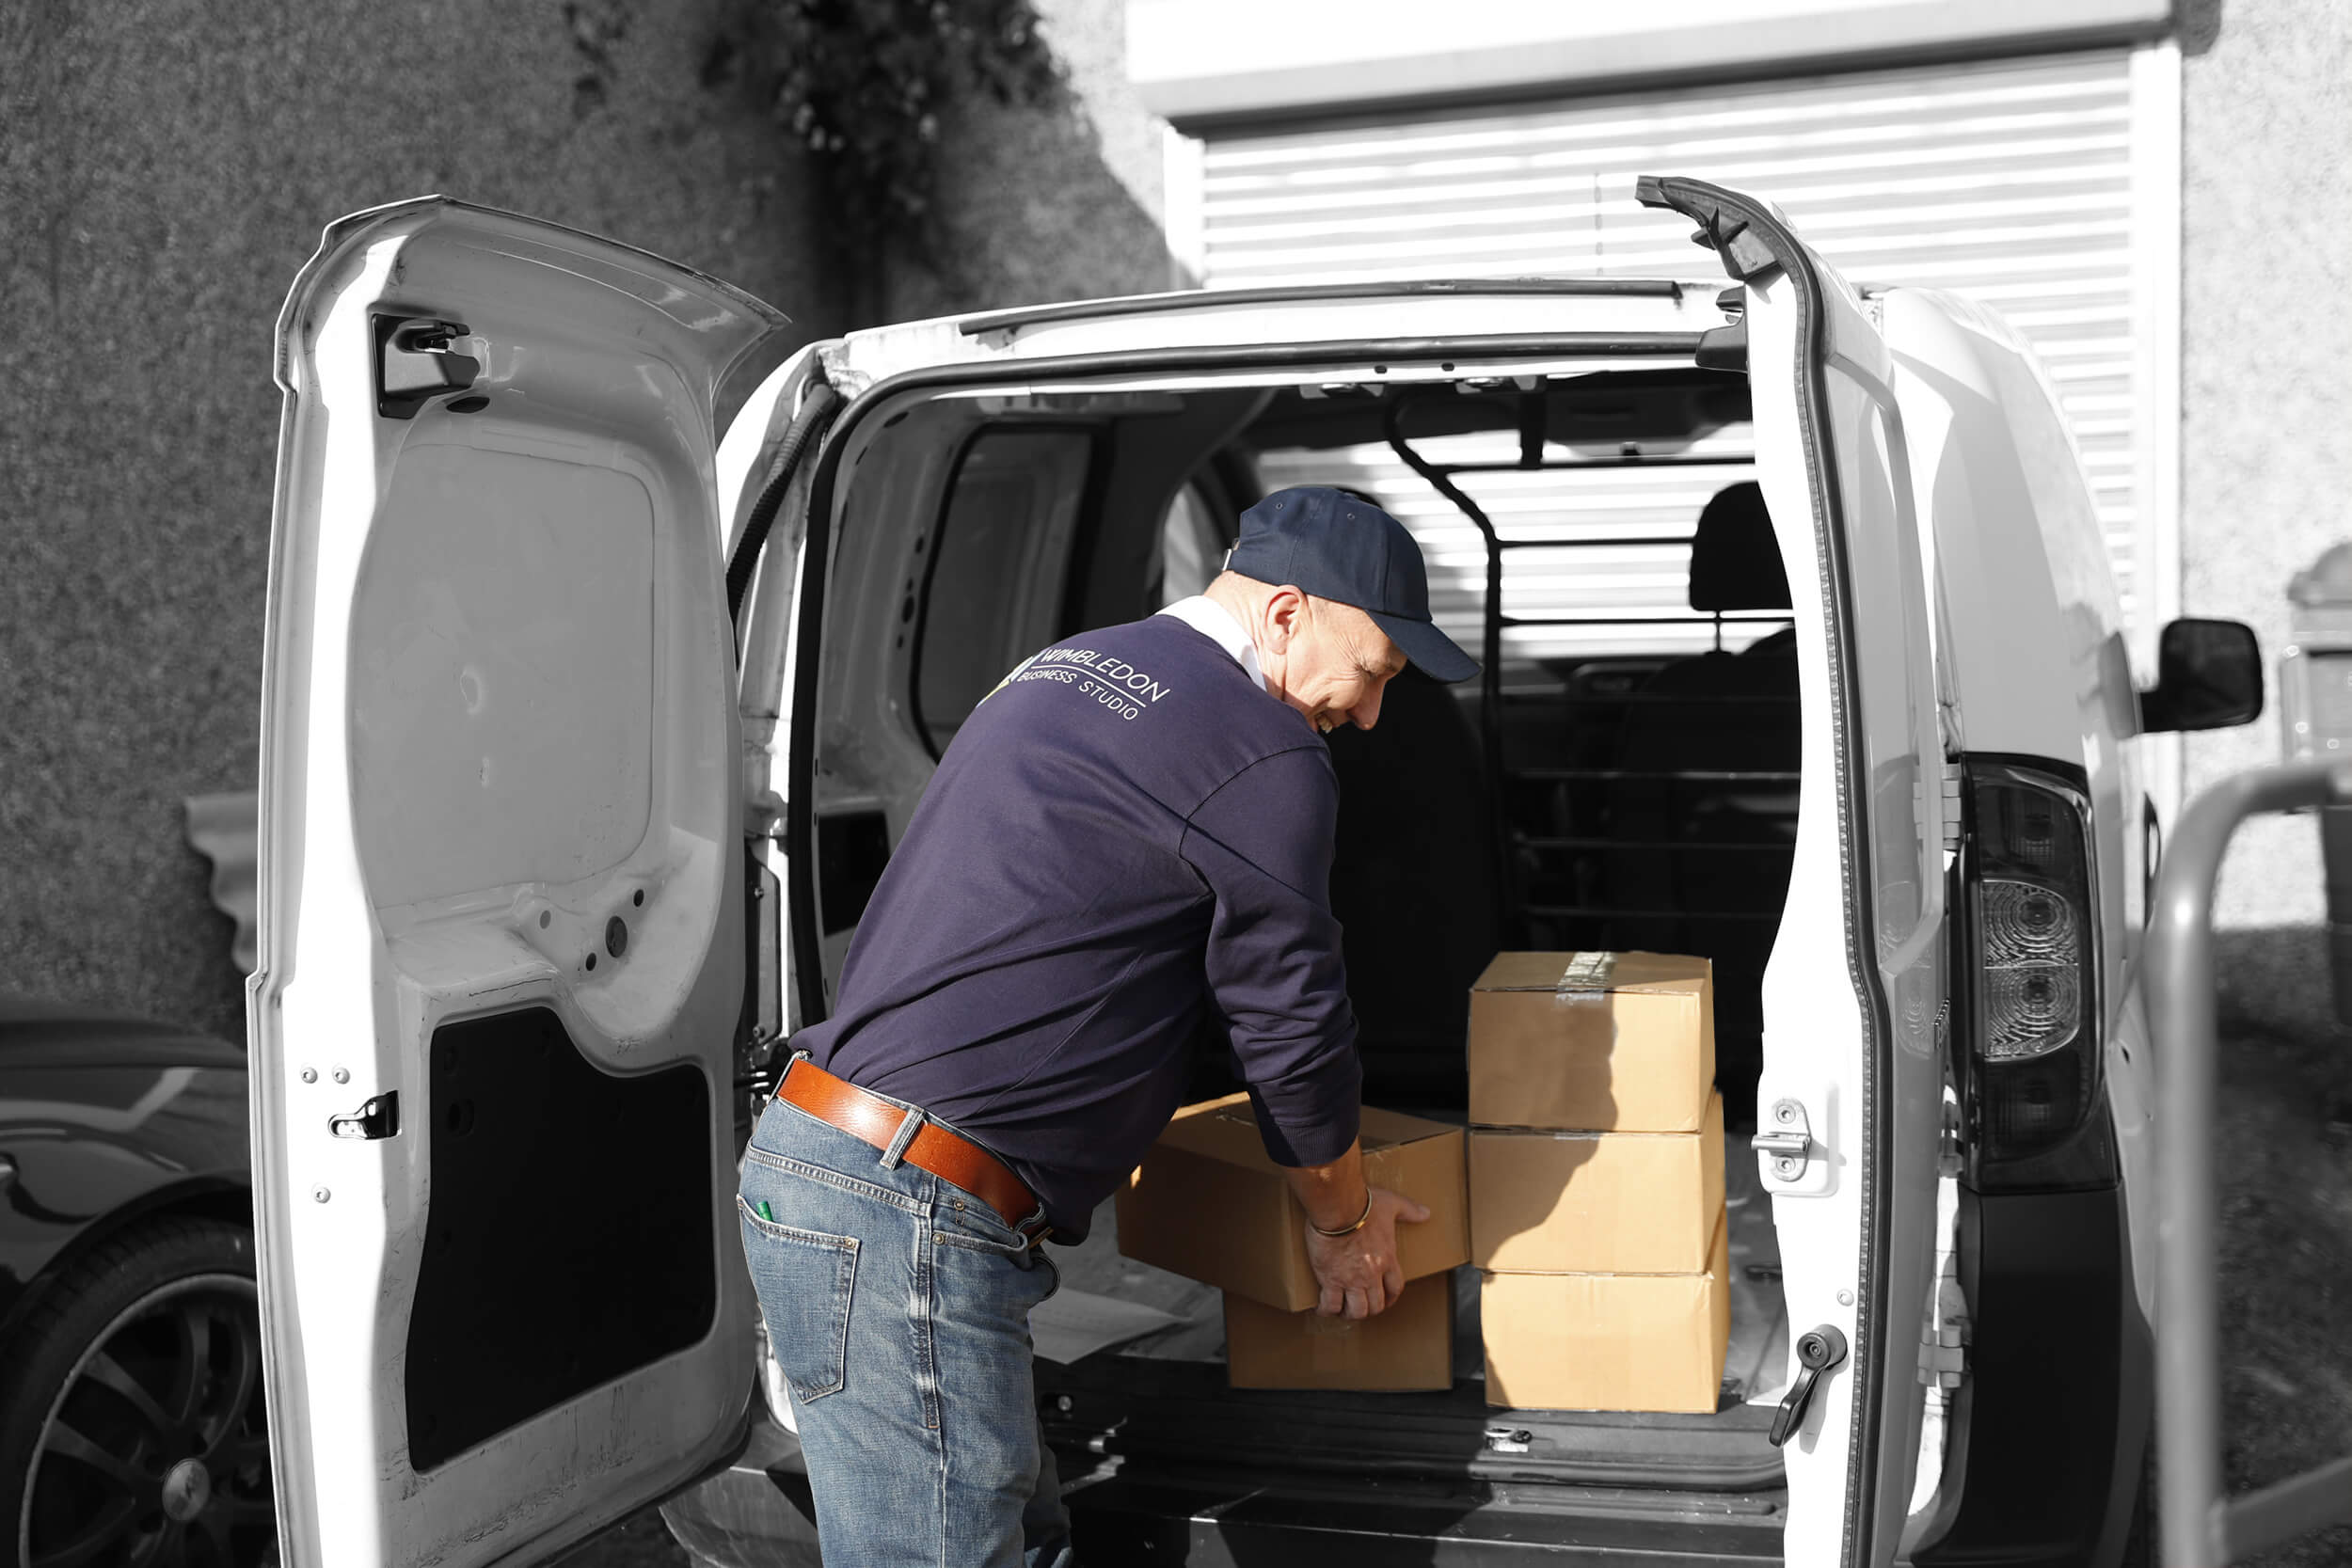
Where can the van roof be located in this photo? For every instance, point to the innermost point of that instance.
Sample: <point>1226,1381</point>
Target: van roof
<point>1504,313</point>
<point>1285,294</point>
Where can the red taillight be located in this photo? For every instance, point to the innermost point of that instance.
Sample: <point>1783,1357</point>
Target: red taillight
<point>2033,1077</point>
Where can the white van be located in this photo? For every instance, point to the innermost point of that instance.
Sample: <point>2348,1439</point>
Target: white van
<point>588,726</point>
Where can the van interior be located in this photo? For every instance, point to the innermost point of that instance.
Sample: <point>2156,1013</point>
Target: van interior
<point>1623,776</point>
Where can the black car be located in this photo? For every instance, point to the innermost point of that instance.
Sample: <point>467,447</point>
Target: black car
<point>131,1420</point>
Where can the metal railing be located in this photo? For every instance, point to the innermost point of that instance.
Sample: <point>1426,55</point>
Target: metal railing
<point>2202,1525</point>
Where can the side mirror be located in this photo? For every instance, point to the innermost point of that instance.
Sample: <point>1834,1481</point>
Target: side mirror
<point>2209,676</point>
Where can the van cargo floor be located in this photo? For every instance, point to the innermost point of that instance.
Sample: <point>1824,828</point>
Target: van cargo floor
<point>1142,1409</point>
<point>1163,1395</point>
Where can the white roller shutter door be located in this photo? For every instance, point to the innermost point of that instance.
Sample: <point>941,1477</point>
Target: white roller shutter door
<point>2045,187</point>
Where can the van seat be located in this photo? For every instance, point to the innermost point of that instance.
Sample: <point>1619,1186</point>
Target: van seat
<point>1707,861</point>
<point>1414,887</point>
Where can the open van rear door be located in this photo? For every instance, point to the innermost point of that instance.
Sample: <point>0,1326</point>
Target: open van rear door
<point>502,944</point>
<point>1850,1107</point>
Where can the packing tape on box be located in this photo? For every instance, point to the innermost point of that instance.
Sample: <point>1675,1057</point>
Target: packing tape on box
<point>1587,977</point>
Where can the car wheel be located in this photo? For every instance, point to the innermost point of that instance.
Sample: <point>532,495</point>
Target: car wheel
<point>134,1429</point>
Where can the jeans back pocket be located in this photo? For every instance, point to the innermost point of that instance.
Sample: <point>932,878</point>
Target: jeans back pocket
<point>806,1280</point>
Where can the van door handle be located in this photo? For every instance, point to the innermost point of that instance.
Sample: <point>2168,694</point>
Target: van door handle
<point>1817,1352</point>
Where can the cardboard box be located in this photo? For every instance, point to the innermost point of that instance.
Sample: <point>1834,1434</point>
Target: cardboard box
<point>1207,1203</point>
<point>1596,1202</point>
<point>1408,1346</point>
<point>1603,1341</point>
<point>1620,1042</point>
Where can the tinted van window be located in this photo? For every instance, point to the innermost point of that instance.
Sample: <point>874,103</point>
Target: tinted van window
<point>1001,569</point>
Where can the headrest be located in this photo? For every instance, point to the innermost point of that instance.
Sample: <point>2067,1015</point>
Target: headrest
<point>1734,560</point>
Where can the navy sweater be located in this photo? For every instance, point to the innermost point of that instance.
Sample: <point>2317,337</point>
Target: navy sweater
<point>1126,836</point>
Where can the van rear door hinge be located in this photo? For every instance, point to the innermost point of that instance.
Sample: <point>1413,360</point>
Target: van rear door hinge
<point>1944,1340</point>
<point>763,813</point>
<point>1949,779</point>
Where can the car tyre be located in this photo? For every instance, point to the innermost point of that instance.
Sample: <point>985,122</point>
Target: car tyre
<point>132,1427</point>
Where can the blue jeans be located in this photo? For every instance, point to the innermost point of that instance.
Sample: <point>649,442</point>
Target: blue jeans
<point>899,1306</point>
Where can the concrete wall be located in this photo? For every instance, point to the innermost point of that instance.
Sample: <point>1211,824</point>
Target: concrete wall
<point>164,170</point>
<point>2267,399</point>
<point>165,166</point>
<point>1061,200</point>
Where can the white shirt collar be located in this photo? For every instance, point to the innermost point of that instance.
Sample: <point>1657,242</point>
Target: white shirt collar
<point>1215,622</point>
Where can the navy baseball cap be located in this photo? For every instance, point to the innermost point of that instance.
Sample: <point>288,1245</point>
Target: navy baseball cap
<point>1339,547</point>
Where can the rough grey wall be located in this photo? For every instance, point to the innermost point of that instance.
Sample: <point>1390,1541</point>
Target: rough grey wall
<point>1090,38</point>
<point>165,167</point>
<point>2267,428</point>
<point>1056,201</point>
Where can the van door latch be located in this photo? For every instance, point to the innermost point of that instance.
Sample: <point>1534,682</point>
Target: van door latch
<point>1787,1141</point>
<point>1817,1352</point>
<point>415,363</point>
<point>378,1119</point>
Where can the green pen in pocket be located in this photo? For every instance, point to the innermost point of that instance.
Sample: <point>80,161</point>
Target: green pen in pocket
<point>761,1208</point>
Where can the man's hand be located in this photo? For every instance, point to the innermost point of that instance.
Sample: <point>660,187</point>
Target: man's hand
<point>1358,1271</point>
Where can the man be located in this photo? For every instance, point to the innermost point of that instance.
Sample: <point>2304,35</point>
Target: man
<point>1131,833</point>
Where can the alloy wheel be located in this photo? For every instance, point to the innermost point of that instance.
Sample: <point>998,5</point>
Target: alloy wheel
<point>155,1453</point>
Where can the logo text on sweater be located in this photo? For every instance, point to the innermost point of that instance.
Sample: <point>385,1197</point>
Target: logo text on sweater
<point>1112,682</point>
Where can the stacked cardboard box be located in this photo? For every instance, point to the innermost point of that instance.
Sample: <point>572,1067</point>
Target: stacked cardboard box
<point>1597,1181</point>
<point>1207,1203</point>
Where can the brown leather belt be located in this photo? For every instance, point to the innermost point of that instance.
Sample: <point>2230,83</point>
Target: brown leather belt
<point>946,1154</point>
